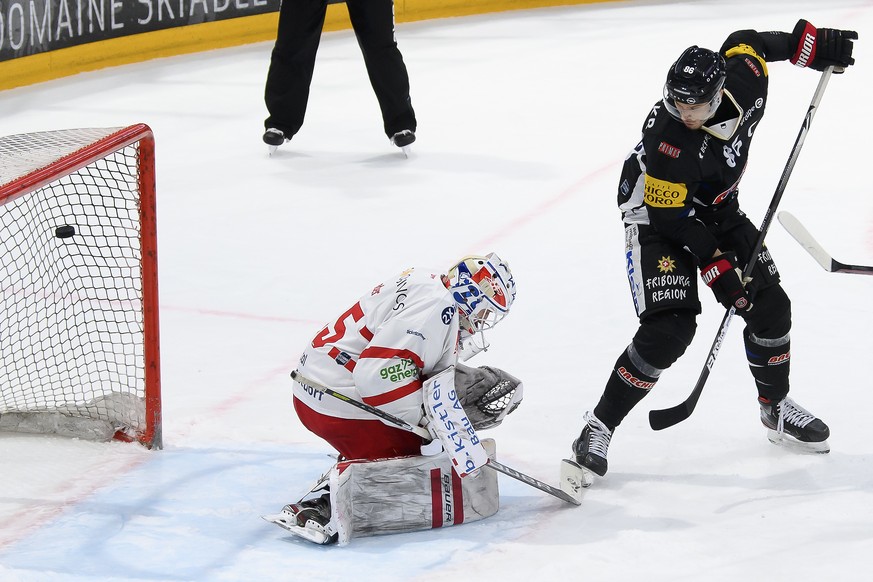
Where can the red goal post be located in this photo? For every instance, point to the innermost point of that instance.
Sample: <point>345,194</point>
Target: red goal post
<point>79,334</point>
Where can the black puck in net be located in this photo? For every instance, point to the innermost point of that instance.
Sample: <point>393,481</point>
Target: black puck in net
<point>65,231</point>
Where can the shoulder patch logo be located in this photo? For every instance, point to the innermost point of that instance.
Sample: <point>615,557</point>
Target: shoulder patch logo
<point>668,150</point>
<point>752,66</point>
<point>744,49</point>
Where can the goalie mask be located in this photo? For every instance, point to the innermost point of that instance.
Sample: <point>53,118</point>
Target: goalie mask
<point>483,289</point>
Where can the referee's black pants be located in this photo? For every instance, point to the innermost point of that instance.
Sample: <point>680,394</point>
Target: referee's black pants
<point>293,59</point>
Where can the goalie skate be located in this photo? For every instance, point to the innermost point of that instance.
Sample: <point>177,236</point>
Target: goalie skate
<point>575,478</point>
<point>309,520</point>
<point>289,523</point>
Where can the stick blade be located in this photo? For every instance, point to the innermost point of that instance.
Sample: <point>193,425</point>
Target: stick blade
<point>667,417</point>
<point>806,240</point>
<point>575,479</point>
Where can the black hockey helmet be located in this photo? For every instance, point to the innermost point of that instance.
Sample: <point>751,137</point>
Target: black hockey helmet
<point>697,76</point>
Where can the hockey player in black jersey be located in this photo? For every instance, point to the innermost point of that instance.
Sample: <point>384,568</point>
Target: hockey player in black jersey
<point>678,195</point>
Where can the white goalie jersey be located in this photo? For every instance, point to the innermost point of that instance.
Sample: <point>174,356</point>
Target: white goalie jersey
<point>381,348</point>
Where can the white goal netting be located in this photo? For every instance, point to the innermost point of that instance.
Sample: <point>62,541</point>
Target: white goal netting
<point>74,295</point>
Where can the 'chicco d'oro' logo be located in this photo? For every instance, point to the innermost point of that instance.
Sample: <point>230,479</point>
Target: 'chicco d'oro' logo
<point>661,194</point>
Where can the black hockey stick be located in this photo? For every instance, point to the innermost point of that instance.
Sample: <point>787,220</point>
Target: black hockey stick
<point>425,434</point>
<point>667,417</point>
<point>828,263</point>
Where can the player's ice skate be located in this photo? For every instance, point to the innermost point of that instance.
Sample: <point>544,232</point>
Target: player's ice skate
<point>789,425</point>
<point>403,140</point>
<point>274,138</point>
<point>590,451</point>
<point>592,445</point>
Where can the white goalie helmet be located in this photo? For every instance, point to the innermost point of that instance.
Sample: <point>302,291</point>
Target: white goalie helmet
<point>483,289</point>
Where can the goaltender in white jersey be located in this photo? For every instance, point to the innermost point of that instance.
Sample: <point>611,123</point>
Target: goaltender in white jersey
<point>378,351</point>
<point>382,351</point>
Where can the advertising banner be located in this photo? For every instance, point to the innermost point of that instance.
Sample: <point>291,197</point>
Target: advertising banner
<point>29,27</point>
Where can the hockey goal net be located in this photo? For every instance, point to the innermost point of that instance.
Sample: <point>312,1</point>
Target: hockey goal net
<point>78,285</point>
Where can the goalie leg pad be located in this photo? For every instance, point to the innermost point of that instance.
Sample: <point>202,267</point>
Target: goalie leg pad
<point>409,494</point>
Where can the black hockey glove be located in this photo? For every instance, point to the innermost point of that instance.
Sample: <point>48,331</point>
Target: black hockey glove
<point>723,276</point>
<point>819,48</point>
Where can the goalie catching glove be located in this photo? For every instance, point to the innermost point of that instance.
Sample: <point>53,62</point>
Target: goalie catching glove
<point>487,394</point>
<point>819,48</point>
<point>724,277</point>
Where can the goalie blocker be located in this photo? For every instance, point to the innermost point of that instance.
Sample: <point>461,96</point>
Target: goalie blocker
<point>448,420</point>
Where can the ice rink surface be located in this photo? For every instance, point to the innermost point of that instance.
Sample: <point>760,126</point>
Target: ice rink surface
<point>524,121</point>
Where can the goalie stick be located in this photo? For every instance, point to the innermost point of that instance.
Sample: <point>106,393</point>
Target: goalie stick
<point>667,417</point>
<point>425,434</point>
<point>828,263</point>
